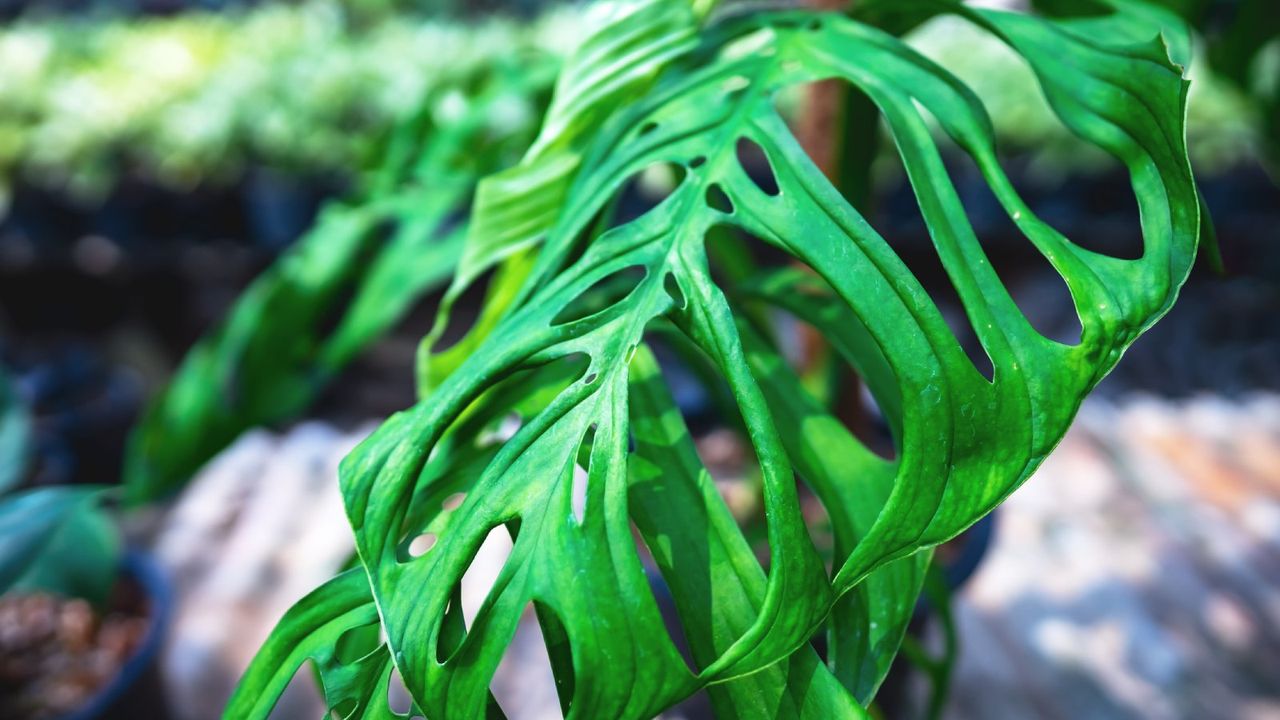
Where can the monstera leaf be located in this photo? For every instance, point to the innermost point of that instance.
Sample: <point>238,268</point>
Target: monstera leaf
<point>600,446</point>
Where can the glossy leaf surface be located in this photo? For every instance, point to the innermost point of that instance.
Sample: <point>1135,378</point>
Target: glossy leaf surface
<point>597,445</point>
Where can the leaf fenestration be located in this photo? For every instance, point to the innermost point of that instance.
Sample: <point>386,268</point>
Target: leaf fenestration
<point>964,442</point>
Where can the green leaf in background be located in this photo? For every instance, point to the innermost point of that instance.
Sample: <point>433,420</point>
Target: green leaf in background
<point>275,352</point>
<point>938,669</point>
<point>682,516</point>
<point>58,540</point>
<point>15,434</point>
<point>186,89</point>
<point>81,559</point>
<point>595,444</point>
<point>258,368</point>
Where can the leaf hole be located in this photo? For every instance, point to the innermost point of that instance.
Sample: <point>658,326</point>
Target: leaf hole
<point>817,523</point>
<point>483,571</point>
<point>419,545</point>
<point>718,200</point>
<point>824,342</point>
<point>559,654</point>
<point>646,128</point>
<point>635,195</point>
<point>600,295</point>
<point>453,501</point>
<point>1038,290</point>
<point>578,493</point>
<point>823,363</point>
<point>672,287</point>
<point>344,709</point>
<point>735,84</point>
<point>701,393</point>
<point>464,313</point>
<point>901,221</point>
<point>665,601</point>
<point>500,432</point>
<point>656,182</point>
<point>697,162</point>
<point>398,699</point>
<point>580,473</point>
<point>357,642</point>
<point>755,162</point>
<point>1073,185</point>
<point>453,629</point>
<point>524,684</point>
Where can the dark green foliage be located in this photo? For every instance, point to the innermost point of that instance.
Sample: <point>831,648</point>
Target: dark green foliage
<point>600,445</point>
<point>364,263</point>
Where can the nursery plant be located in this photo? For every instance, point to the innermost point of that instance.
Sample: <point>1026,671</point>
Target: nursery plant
<point>82,619</point>
<point>1243,45</point>
<point>53,538</point>
<point>91,99</point>
<point>346,282</point>
<point>600,469</point>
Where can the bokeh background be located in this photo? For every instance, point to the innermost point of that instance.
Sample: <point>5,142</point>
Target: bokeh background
<point>158,155</point>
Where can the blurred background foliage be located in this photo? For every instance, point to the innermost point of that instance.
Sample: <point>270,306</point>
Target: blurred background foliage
<point>223,214</point>
<point>1223,123</point>
<point>157,156</point>
<point>195,97</point>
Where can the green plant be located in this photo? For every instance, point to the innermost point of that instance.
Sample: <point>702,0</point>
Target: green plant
<point>15,433</point>
<point>55,539</point>
<point>563,346</point>
<point>180,101</point>
<point>1245,50</point>
<point>366,261</point>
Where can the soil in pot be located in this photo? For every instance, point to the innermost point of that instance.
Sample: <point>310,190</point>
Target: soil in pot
<point>57,654</point>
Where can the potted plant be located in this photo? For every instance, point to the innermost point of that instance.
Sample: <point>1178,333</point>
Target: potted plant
<point>81,621</point>
<point>564,347</point>
<point>552,420</point>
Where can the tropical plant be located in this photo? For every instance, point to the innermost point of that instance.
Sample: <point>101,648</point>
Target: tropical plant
<point>580,295</point>
<point>15,434</point>
<point>366,261</point>
<point>56,539</point>
<point>1245,49</point>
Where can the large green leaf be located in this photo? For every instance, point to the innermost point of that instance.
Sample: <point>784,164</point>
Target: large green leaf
<point>568,483</point>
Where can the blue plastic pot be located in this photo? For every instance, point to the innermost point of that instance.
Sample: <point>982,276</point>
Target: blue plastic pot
<point>137,692</point>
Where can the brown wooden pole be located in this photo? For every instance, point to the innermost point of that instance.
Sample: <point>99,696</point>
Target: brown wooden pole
<point>831,111</point>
